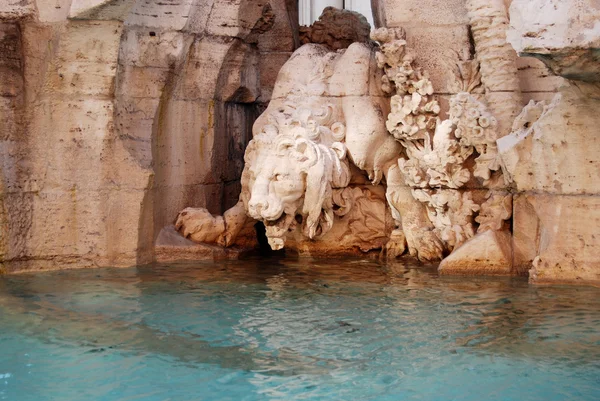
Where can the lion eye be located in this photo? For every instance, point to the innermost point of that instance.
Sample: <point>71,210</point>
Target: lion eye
<point>277,177</point>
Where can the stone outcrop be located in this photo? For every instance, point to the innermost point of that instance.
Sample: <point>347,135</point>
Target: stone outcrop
<point>451,166</point>
<point>299,160</point>
<point>489,253</point>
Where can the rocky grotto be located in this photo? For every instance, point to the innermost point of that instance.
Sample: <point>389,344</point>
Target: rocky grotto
<point>464,133</point>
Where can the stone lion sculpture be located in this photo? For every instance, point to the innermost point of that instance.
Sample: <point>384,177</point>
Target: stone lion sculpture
<point>344,124</point>
<point>323,130</point>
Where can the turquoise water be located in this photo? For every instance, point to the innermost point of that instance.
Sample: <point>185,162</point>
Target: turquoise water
<point>294,330</point>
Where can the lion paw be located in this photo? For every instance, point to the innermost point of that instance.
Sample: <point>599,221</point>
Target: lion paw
<point>396,246</point>
<point>199,225</point>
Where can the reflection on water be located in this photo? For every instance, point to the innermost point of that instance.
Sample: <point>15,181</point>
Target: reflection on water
<point>294,329</point>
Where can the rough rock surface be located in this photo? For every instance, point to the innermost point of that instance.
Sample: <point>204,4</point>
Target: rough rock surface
<point>551,156</point>
<point>337,29</point>
<point>487,253</point>
<point>564,34</point>
<point>116,114</point>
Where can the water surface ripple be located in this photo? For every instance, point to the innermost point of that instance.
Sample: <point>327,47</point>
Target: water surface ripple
<point>294,329</point>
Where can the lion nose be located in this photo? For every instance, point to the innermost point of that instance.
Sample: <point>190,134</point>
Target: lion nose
<point>257,206</point>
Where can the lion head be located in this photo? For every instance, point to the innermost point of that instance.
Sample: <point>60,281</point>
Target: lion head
<point>290,171</point>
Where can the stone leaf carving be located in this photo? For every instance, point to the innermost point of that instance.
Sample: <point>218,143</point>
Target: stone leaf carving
<point>476,130</point>
<point>441,156</point>
<point>451,212</point>
<point>467,77</point>
<point>494,211</point>
<point>413,113</point>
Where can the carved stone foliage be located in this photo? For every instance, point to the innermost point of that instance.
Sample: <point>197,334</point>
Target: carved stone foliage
<point>365,221</point>
<point>441,156</point>
<point>495,211</point>
<point>451,212</point>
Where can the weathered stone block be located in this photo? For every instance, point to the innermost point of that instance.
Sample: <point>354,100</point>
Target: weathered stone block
<point>16,9</point>
<point>66,222</point>
<point>142,47</point>
<point>525,234</point>
<point>200,74</point>
<point>9,114</point>
<point>235,18</point>
<point>186,143</point>
<point>534,76</point>
<point>100,9</point>
<point>564,34</point>
<point>169,15</point>
<point>487,253</point>
<point>239,79</point>
<point>142,82</point>
<point>90,41</point>
<point>282,37</point>
<point>269,65</point>
<point>198,16</point>
<point>569,239</point>
<point>559,152</point>
<point>81,79</point>
<point>11,63</point>
<point>438,50</point>
<point>70,141</point>
<point>430,12</point>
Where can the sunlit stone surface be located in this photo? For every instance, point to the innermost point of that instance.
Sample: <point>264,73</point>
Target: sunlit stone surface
<point>122,119</point>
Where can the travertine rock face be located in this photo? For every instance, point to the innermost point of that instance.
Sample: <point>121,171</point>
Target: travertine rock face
<point>451,167</point>
<point>564,34</point>
<point>489,253</point>
<point>550,157</point>
<point>117,114</point>
<point>554,148</point>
